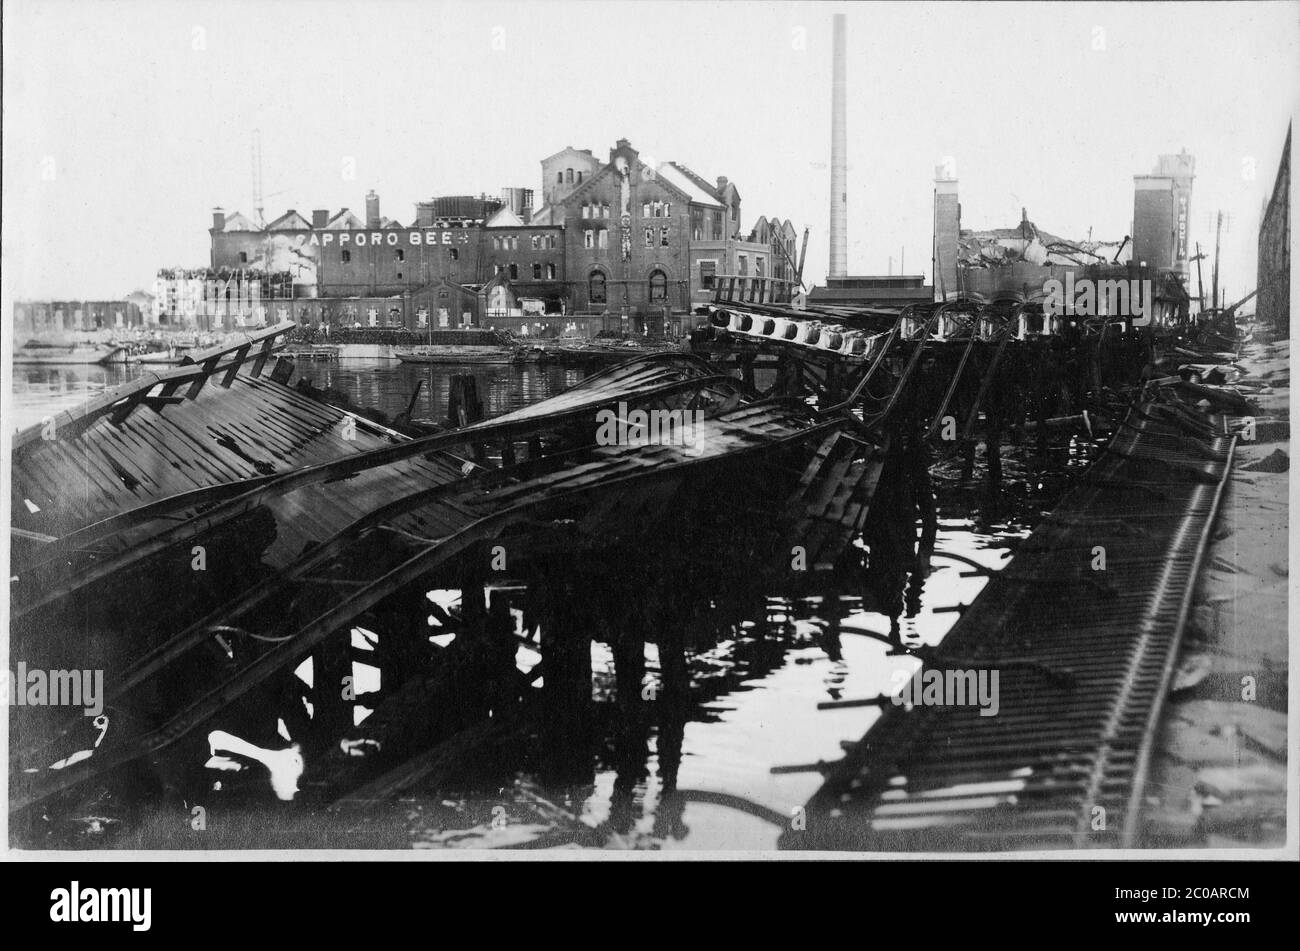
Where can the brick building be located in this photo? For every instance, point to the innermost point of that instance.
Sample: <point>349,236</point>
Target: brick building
<point>621,244</point>
<point>1161,209</point>
<point>1274,268</point>
<point>66,316</point>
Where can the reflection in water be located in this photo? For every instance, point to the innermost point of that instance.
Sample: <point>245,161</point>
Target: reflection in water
<point>387,385</point>
<point>373,379</point>
<point>652,768</point>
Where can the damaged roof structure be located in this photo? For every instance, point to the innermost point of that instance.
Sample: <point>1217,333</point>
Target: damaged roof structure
<point>998,247</point>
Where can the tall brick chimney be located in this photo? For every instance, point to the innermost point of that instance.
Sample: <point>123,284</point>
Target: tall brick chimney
<point>839,264</point>
<point>218,219</point>
<point>372,209</point>
<point>320,218</point>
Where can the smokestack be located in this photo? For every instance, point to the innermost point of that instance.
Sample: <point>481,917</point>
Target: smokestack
<point>839,170</point>
<point>218,219</point>
<point>372,209</point>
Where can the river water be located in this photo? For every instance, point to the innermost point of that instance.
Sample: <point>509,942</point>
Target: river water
<point>754,696</point>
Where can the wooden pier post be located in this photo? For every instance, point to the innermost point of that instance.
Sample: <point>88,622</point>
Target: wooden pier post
<point>566,685</point>
<point>463,404</point>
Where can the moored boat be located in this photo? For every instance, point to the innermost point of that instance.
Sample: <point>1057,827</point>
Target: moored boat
<point>80,354</point>
<point>456,355</point>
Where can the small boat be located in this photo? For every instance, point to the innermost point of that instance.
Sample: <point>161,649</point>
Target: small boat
<point>157,356</point>
<point>457,354</point>
<point>464,345</point>
<point>34,352</point>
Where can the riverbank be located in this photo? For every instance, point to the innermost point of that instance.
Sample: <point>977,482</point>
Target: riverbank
<point>1218,772</point>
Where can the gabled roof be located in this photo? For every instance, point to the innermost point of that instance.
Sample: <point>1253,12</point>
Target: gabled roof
<point>344,221</point>
<point>289,221</point>
<point>548,214</point>
<point>698,179</point>
<point>567,149</point>
<point>689,184</point>
<point>503,217</point>
<point>238,222</point>
<point>390,223</point>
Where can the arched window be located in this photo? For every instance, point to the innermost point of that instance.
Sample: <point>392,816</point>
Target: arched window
<point>596,287</point>
<point>658,287</point>
<point>559,178</point>
<point>347,256</point>
<point>579,178</point>
<point>568,176</point>
<point>587,238</point>
<point>399,254</point>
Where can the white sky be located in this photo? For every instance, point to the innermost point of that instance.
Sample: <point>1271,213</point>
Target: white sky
<point>145,133</point>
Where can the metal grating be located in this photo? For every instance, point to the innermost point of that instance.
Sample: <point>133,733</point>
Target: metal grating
<point>1083,657</point>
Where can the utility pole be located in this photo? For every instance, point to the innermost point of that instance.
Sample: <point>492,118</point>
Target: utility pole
<point>1200,285</point>
<point>1218,228</point>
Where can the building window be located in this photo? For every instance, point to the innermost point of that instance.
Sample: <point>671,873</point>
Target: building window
<point>649,237</point>
<point>559,178</point>
<point>596,287</point>
<point>579,177</point>
<point>550,272</point>
<point>568,176</point>
<point>346,256</point>
<point>645,210</point>
<point>243,257</point>
<point>602,238</point>
<point>537,242</point>
<point>663,237</point>
<point>399,255</point>
<point>514,242</point>
<point>586,211</point>
<point>588,239</point>
<point>716,221</point>
<point>455,253</point>
<point>658,287</point>
<point>742,264</point>
<point>707,271</point>
<point>697,224</point>
<point>550,241</point>
<point>537,272</point>
<point>514,272</point>
<point>758,266</point>
<point>668,209</point>
<point>498,268</point>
